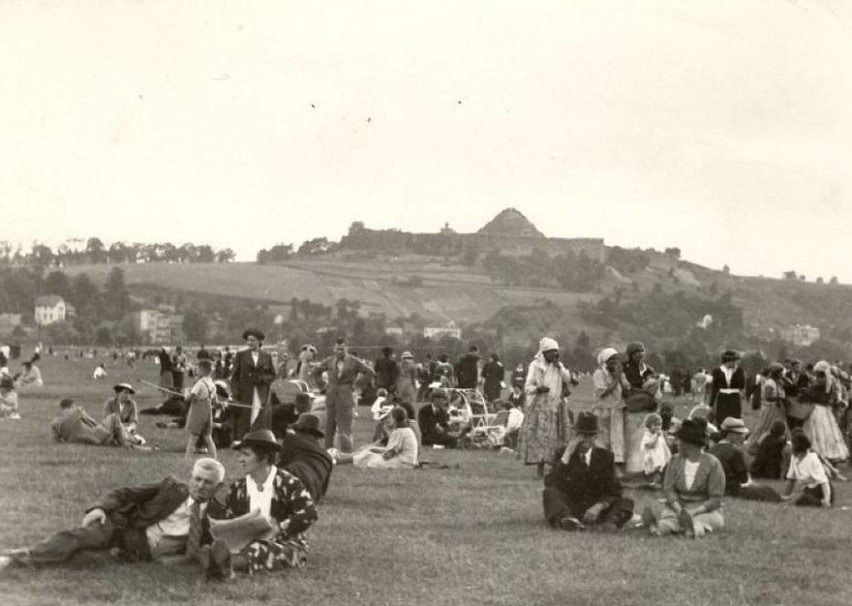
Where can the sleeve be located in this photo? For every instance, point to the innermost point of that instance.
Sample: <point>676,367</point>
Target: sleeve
<point>599,382</point>
<point>364,368</point>
<point>531,383</point>
<point>670,479</point>
<point>611,491</point>
<point>791,472</point>
<point>108,407</point>
<point>716,480</point>
<point>235,377</point>
<point>122,497</point>
<point>302,510</point>
<point>557,476</point>
<point>133,419</point>
<point>740,467</point>
<point>395,441</point>
<point>198,390</point>
<point>815,469</point>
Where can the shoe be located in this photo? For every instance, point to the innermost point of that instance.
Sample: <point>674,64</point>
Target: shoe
<point>687,523</point>
<point>15,416</point>
<point>570,524</point>
<point>5,563</point>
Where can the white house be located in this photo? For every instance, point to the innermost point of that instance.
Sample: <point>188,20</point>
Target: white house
<point>437,332</point>
<point>49,309</point>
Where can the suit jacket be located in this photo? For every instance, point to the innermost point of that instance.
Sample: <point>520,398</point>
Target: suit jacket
<point>586,484</point>
<point>76,427</point>
<point>132,510</point>
<point>245,376</point>
<point>339,389</point>
<point>428,418</point>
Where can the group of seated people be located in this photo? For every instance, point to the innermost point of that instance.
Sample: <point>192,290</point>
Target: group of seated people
<point>270,508</point>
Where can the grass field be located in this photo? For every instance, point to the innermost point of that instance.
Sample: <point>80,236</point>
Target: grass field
<point>467,535</point>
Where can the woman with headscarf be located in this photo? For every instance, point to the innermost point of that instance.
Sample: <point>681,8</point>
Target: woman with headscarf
<point>821,426</point>
<point>545,426</point>
<point>610,385</point>
<point>727,387</point>
<point>406,380</point>
<point>773,398</point>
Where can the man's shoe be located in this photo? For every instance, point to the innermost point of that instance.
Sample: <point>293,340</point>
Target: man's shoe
<point>571,524</point>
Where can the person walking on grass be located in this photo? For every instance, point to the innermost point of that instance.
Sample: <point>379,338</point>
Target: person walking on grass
<point>161,521</point>
<point>199,418</point>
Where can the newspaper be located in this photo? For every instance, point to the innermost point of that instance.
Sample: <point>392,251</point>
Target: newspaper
<point>239,532</point>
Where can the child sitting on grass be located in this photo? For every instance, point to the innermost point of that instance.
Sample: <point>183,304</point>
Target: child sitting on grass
<point>8,399</point>
<point>656,450</point>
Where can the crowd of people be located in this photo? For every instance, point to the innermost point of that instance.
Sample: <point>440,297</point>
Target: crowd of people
<point>267,408</point>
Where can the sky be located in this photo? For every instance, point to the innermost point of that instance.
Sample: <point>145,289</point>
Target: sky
<point>721,127</point>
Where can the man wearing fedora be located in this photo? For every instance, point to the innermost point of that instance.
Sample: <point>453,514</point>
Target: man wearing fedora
<point>582,490</point>
<point>730,453</point>
<point>341,370</point>
<point>251,376</point>
<point>304,457</point>
<point>156,521</point>
<point>434,421</point>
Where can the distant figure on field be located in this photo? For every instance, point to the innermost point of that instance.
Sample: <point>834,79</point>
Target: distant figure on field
<point>30,377</point>
<point>100,372</point>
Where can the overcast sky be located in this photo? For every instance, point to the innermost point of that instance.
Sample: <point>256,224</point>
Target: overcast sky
<point>723,127</point>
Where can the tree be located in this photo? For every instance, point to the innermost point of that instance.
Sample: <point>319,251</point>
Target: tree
<point>726,270</point>
<point>62,333</point>
<point>57,283</point>
<point>790,275</point>
<point>95,250</point>
<point>42,256</point>
<point>819,280</point>
<point>833,281</point>
<point>205,254</point>
<point>226,255</point>
<point>116,298</point>
<point>673,252</point>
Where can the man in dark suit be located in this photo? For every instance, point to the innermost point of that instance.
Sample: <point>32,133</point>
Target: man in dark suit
<point>341,371</point>
<point>433,420</point>
<point>155,521</point>
<point>303,456</point>
<point>252,374</point>
<point>582,490</point>
<point>467,369</point>
<point>387,371</point>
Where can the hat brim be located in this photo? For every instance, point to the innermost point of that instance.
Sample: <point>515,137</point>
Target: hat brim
<point>317,432</point>
<point>254,333</point>
<point>123,387</point>
<point>243,444</point>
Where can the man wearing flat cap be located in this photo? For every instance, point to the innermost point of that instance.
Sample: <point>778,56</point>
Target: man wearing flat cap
<point>251,375</point>
<point>582,490</point>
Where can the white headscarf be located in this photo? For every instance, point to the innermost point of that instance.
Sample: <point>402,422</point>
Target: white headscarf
<point>823,366</point>
<point>547,344</point>
<point>605,355</point>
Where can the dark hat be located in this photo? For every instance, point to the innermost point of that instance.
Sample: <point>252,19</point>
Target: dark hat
<point>66,403</point>
<point>123,387</point>
<point>262,438</point>
<point>632,348</point>
<point>730,355</point>
<point>587,423</point>
<point>309,423</point>
<point>253,332</point>
<point>691,432</point>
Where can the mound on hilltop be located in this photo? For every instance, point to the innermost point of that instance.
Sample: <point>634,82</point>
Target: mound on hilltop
<point>511,222</point>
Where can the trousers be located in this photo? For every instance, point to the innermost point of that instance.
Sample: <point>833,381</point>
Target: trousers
<point>558,505</point>
<point>61,546</point>
<point>339,405</point>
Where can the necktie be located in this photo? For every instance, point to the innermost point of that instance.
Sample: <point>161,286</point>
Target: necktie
<point>193,539</point>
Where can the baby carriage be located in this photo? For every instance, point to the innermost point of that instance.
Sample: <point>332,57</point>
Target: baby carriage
<point>469,409</point>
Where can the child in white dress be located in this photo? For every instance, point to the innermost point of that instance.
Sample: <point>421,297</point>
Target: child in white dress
<point>655,449</point>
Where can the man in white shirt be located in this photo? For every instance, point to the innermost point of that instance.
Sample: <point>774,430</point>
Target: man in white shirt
<point>150,522</point>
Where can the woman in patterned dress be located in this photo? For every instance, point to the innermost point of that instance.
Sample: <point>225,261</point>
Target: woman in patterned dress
<point>280,497</point>
<point>546,422</point>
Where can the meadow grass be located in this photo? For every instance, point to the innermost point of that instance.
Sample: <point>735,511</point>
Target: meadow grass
<point>471,534</point>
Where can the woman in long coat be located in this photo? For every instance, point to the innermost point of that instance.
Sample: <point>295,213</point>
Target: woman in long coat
<point>493,374</point>
<point>727,388</point>
<point>546,422</point>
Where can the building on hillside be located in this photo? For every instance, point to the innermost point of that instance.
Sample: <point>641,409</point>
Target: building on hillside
<point>161,325</point>
<point>439,332</point>
<point>49,309</point>
<point>800,335</point>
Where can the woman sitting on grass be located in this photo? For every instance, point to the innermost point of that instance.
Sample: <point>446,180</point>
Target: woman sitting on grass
<point>694,485</point>
<point>807,481</point>
<point>400,453</point>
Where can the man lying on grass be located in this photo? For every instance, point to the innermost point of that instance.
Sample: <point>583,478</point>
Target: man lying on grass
<point>74,426</point>
<point>155,521</point>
